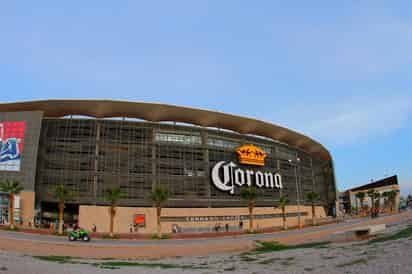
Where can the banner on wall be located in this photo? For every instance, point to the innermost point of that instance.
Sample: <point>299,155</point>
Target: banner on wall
<point>140,220</point>
<point>11,145</point>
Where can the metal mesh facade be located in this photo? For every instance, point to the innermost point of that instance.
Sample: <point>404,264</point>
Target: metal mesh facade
<point>92,155</point>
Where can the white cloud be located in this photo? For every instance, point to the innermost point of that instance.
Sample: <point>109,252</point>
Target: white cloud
<point>352,120</point>
<point>367,46</point>
<point>358,120</point>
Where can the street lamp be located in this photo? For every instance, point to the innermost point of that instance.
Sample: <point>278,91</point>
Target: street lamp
<point>297,190</point>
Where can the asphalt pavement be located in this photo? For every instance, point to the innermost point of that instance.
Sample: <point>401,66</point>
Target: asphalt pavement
<point>140,242</point>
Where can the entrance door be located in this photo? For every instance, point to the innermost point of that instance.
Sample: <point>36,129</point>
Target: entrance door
<point>4,215</point>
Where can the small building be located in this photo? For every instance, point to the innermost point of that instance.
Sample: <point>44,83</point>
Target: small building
<point>349,202</point>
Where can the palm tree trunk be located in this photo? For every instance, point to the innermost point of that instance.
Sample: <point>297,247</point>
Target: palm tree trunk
<point>284,218</point>
<point>313,214</point>
<point>61,210</point>
<point>361,206</point>
<point>159,226</point>
<point>372,205</point>
<point>250,217</point>
<point>11,211</point>
<point>112,213</point>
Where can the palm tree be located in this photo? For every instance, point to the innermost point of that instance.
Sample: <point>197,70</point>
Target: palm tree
<point>385,199</point>
<point>377,197</point>
<point>361,197</point>
<point>12,188</point>
<point>312,197</point>
<point>159,197</point>
<point>392,197</point>
<point>409,200</point>
<point>249,194</point>
<point>112,195</point>
<point>283,202</point>
<point>371,194</point>
<point>62,194</point>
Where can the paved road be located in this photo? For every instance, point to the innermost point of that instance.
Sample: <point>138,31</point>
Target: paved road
<point>44,245</point>
<point>385,257</point>
<point>246,237</point>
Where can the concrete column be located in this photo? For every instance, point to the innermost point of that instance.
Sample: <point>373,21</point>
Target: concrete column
<point>154,175</point>
<point>313,175</point>
<point>278,169</point>
<point>96,161</point>
<point>27,211</point>
<point>206,166</point>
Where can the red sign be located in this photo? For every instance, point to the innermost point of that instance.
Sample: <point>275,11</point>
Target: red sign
<point>139,219</point>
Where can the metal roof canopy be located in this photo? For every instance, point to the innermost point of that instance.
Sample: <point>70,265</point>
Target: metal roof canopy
<point>388,181</point>
<point>155,112</point>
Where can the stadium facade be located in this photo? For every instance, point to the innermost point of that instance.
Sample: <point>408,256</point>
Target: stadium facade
<point>203,158</point>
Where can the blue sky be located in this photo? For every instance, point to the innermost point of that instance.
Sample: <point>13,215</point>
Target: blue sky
<point>338,71</point>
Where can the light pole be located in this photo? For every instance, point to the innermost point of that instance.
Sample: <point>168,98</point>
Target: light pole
<point>297,191</point>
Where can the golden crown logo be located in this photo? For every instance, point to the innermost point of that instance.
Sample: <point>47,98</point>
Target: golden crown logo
<point>251,155</point>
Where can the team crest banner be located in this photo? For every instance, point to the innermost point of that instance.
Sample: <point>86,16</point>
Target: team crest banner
<point>11,145</point>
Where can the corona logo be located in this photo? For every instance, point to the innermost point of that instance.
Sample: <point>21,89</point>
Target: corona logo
<point>226,176</point>
<point>251,155</point>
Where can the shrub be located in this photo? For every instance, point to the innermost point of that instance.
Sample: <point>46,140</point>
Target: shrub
<point>163,237</point>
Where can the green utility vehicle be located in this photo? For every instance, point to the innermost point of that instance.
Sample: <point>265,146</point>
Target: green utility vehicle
<point>79,234</point>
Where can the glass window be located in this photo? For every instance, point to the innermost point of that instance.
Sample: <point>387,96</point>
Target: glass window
<point>266,149</point>
<point>285,153</point>
<point>178,138</point>
<point>222,143</point>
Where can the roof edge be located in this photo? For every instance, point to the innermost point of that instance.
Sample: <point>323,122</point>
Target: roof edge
<point>157,112</point>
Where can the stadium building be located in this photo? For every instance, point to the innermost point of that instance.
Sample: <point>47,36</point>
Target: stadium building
<point>203,158</point>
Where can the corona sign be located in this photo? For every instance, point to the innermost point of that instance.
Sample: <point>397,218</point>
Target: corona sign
<point>226,175</point>
<point>251,155</point>
<point>233,176</point>
<point>11,145</point>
